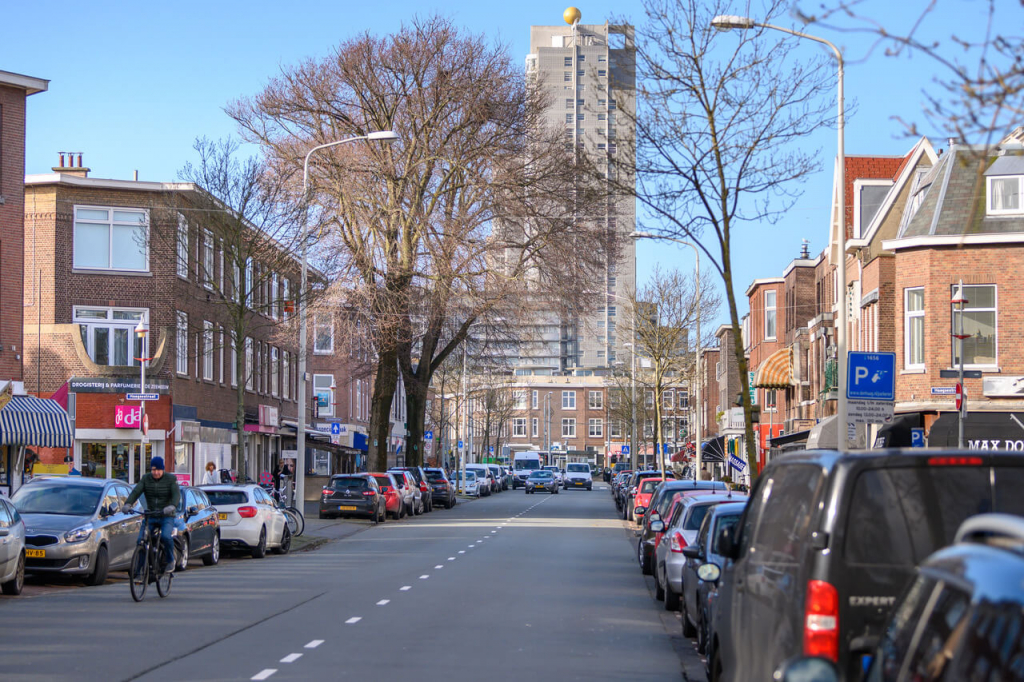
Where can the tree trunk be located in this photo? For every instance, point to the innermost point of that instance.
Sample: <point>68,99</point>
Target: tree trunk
<point>384,385</point>
<point>416,415</point>
<point>741,364</point>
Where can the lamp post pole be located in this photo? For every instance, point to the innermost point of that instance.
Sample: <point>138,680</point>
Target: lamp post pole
<point>300,436</point>
<point>959,301</point>
<point>725,23</point>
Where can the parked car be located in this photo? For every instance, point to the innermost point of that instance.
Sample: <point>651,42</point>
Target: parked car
<point>420,481</point>
<point>555,471</point>
<point>201,537</point>
<point>12,549</point>
<point>484,478</point>
<point>442,491</point>
<point>76,526</point>
<point>699,597</point>
<point>249,519</point>
<point>499,477</point>
<point>470,483</point>
<point>393,504</point>
<point>659,505</point>
<point>577,475</point>
<point>542,480</point>
<point>354,495</point>
<point>406,491</point>
<point>618,481</point>
<point>828,542</point>
<point>681,530</point>
<point>635,487</point>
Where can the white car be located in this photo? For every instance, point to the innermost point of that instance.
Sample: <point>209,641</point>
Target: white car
<point>484,477</point>
<point>556,472</point>
<point>577,475</point>
<point>470,485</point>
<point>249,519</point>
<point>12,548</point>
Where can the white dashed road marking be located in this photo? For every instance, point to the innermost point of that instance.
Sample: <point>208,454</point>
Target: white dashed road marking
<point>406,588</point>
<point>439,566</point>
<point>353,620</point>
<point>451,558</point>
<point>314,644</point>
<point>462,551</point>
<point>424,577</point>
<point>291,658</point>
<point>383,602</point>
<point>264,674</point>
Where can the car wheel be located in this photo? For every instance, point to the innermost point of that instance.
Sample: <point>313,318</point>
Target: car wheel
<point>13,586</point>
<point>688,628</point>
<point>185,554</point>
<point>716,668</point>
<point>645,561</point>
<point>102,565</point>
<point>659,591</point>
<point>286,541</point>
<point>260,550</point>
<point>213,557</point>
<point>672,603</point>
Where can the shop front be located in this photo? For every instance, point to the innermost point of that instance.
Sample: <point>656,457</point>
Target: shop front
<point>196,444</point>
<point>982,431</point>
<point>27,421</point>
<point>262,442</point>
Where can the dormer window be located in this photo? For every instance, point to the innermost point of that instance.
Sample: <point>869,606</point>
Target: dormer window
<point>1004,194</point>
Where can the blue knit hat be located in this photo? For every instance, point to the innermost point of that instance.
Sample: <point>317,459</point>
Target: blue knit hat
<point>156,463</point>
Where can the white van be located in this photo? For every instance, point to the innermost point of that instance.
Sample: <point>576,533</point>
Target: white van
<point>524,464</point>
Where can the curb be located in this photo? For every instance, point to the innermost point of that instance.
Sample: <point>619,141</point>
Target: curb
<point>311,545</point>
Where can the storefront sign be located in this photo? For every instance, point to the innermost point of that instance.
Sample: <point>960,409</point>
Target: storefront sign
<point>289,454</point>
<point>126,385</point>
<point>1002,387</point>
<point>183,479</point>
<point>736,420</point>
<point>127,416</point>
<point>268,416</point>
<point>189,432</point>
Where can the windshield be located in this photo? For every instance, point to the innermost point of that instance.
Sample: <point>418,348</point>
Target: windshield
<point>527,464</point>
<point>349,483</point>
<point>70,500</point>
<point>219,497</point>
<point>434,476</point>
<point>551,467</point>
<point>541,474</point>
<point>470,475</point>
<point>579,468</point>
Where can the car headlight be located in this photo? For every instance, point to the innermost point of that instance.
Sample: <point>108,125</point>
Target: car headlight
<point>78,534</point>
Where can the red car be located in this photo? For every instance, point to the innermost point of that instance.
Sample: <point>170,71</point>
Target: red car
<point>393,501</point>
<point>643,496</point>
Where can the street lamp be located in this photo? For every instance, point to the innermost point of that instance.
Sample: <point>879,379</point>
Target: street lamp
<point>698,422</point>
<point>959,301</point>
<point>388,136</point>
<point>633,454</point>
<point>724,22</point>
<point>140,334</point>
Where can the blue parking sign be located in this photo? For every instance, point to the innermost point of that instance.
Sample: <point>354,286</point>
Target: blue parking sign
<point>917,437</point>
<point>871,376</point>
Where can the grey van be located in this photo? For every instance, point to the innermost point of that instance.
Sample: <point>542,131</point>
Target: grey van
<point>829,540</point>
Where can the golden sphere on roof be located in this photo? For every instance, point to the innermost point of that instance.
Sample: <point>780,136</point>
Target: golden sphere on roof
<point>571,15</point>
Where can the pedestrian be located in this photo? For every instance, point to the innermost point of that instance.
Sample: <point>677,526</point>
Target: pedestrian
<point>210,475</point>
<point>278,472</point>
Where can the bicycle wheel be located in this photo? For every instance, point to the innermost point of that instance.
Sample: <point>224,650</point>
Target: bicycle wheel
<point>300,521</point>
<point>138,577</point>
<point>163,583</point>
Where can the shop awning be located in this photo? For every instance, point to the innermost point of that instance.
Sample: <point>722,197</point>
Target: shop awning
<point>26,420</point>
<point>776,371</point>
<point>713,450</point>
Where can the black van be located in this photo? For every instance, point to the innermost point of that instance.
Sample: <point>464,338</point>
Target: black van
<point>829,541</point>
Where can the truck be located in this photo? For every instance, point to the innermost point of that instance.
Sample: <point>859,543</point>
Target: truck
<point>524,464</point>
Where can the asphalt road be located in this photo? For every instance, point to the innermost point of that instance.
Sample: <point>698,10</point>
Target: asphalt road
<point>511,587</point>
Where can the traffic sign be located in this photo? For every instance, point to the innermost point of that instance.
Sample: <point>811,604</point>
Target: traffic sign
<point>491,449</point>
<point>871,376</point>
<point>460,444</point>
<point>917,437</point>
<point>335,429</point>
<point>869,412</point>
<point>145,425</point>
<point>143,396</point>
<point>625,449</point>
<point>429,435</point>
<point>959,393</point>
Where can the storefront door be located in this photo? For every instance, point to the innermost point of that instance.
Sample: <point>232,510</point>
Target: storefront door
<point>95,461</point>
<point>140,460</point>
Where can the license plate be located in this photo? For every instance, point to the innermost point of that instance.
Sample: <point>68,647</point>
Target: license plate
<point>345,508</point>
<point>222,517</point>
<point>579,482</point>
<point>35,553</point>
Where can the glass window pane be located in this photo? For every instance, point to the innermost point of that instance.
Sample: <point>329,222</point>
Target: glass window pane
<point>129,248</point>
<point>90,314</point>
<point>916,346</point>
<point>92,214</point>
<point>101,345</point>
<point>915,299</point>
<point>1005,194</point>
<point>92,246</point>
<point>120,347</point>
<point>136,217</point>
<point>980,297</point>
<point>127,315</point>
<point>980,348</point>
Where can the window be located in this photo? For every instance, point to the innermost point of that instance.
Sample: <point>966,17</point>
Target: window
<point>596,400</point>
<point>108,334</point>
<point>600,145</point>
<point>323,335</point>
<point>519,427</point>
<point>111,239</point>
<point>979,320</point>
<point>616,428</point>
<point>568,428</point>
<point>581,117</point>
<point>247,287</point>
<point>602,117</point>
<point>649,399</point>
<point>535,427</point>
<point>611,311</point>
<point>567,77</point>
<point>568,102</point>
<point>602,102</point>
<point>220,352</point>
<point>208,269</point>
<point>207,350</point>
<point>220,267</point>
<point>595,428</point>
<point>286,375</point>
<point>568,400</point>
<point>581,73</point>
<point>568,61</point>
<point>181,351</point>
<point>534,399</point>
<point>683,399</point>
<point>234,362</point>
<point>275,372</point>
<point>602,58</point>
<point>275,301</point>
<point>913,327</point>
<point>182,247</point>
<point>582,58</point>
<point>236,283</point>
<point>601,73</point>
<point>769,315</point>
<point>249,379</point>
<point>286,302</point>
<point>648,428</point>
<point>568,118</point>
<point>667,400</point>
<point>1004,194</point>
<point>323,394</point>
<point>611,105</point>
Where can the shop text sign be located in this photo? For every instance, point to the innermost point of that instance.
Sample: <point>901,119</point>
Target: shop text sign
<point>127,416</point>
<point>104,385</point>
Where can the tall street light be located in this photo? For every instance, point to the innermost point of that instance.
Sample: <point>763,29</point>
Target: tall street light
<point>726,22</point>
<point>300,463</point>
<point>699,412</point>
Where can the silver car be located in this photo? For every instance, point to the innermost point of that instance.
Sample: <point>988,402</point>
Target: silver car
<point>76,526</point>
<point>12,549</point>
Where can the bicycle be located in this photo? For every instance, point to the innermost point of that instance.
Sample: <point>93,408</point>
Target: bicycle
<point>144,568</point>
<point>283,498</point>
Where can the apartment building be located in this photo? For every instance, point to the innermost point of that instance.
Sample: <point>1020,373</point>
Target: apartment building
<point>590,72</point>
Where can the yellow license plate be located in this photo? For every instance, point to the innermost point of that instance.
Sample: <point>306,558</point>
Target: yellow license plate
<point>347,508</point>
<point>35,553</point>
<point>222,517</point>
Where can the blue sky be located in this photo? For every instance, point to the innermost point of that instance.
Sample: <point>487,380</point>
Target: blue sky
<point>133,84</point>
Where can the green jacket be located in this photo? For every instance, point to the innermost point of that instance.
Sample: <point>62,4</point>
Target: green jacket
<point>159,494</point>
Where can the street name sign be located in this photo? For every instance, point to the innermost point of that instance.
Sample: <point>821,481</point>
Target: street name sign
<point>943,390</point>
<point>142,396</point>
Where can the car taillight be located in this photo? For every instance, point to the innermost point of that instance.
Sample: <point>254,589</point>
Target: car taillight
<point>954,461</point>
<point>369,493</point>
<point>328,492</point>
<point>424,488</point>
<point>676,542</point>
<point>821,621</point>
<point>247,512</point>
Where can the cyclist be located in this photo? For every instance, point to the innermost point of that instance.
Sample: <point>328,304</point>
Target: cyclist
<point>162,494</point>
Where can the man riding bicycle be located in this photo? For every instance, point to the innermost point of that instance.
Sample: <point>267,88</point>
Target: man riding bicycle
<point>162,495</point>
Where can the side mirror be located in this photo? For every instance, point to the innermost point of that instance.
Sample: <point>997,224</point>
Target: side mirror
<point>691,552</point>
<point>193,510</point>
<point>4,532</point>
<point>808,670</point>
<point>709,573</point>
<point>655,515</point>
<point>658,526</point>
<point>727,545</point>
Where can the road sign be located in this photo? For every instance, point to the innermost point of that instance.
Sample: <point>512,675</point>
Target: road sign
<point>958,391</point>
<point>335,429</point>
<point>870,411</point>
<point>143,396</point>
<point>871,376</point>
<point>429,435</point>
<point>460,444</point>
<point>625,449</point>
<point>943,390</point>
<point>736,462</point>
<point>917,437</point>
<point>491,449</point>
<point>145,425</point>
<point>955,373</point>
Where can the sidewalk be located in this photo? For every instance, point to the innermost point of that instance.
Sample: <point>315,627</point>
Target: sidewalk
<point>319,531</point>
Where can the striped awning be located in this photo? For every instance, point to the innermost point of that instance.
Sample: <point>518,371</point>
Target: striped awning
<point>35,421</point>
<point>776,371</point>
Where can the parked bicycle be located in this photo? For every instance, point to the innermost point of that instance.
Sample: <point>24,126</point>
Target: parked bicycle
<point>283,498</point>
<point>147,562</point>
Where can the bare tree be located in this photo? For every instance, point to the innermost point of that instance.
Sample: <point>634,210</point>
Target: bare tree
<point>442,227</point>
<point>720,128</point>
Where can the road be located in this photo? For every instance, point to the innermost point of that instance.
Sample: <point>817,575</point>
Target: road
<point>511,587</point>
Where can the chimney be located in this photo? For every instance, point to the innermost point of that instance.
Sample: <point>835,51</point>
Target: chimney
<point>71,168</point>
<point>805,253</point>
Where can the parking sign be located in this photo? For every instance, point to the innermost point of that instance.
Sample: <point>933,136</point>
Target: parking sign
<point>871,376</point>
